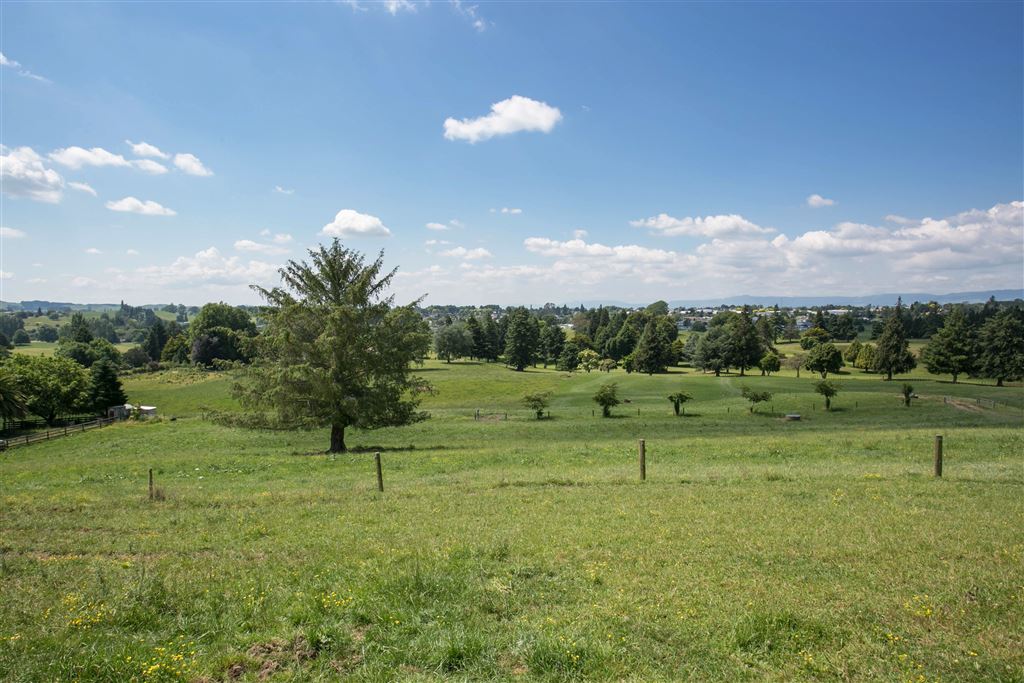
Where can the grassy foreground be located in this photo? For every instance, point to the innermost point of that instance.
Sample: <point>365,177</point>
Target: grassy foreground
<point>524,550</point>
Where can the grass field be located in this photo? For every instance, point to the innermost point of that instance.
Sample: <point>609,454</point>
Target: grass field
<point>517,549</point>
<point>38,348</point>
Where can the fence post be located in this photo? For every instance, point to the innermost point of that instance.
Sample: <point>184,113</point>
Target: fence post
<point>643,460</point>
<point>151,483</point>
<point>380,474</point>
<point>938,455</point>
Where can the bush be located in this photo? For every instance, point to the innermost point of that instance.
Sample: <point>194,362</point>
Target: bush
<point>21,338</point>
<point>607,398</point>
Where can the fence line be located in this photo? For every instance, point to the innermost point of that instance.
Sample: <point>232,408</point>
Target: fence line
<point>56,433</point>
<point>977,401</point>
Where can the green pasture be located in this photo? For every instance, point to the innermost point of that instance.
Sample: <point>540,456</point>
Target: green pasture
<point>523,549</point>
<point>38,348</point>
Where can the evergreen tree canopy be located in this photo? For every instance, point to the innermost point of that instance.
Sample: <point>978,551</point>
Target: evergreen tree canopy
<point>336,351</point>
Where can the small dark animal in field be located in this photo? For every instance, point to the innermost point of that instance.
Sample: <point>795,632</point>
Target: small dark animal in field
<point>626,400</point>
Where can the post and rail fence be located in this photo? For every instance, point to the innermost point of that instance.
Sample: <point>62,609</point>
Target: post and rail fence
<point>56,432</point>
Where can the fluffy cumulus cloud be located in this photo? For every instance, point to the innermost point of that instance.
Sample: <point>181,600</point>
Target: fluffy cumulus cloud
<point>190,163</point>
<point>976,249</point>
<point>816,201</point>
<point>507,210</point>
<point>207,267</point>
<point>76,157</point>
<point>144,149</point>
<point>11,233</point>
<point>706,226</point>
<point>25,174</point>
<point>436,226</point>
<point>514,115</point>
<point>467,254</point>
<point>93,251</point>
<point>282,190</point>
<point>146,208</point>
<point>351,223</point>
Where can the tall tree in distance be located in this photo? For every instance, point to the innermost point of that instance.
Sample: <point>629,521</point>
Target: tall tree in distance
<point>1002,347</point>
<point>747,346</point>
<point>104,387</point>
<point>552,339</point>
<point>651,350</point>
<point>336,351</point>
<point>953,349</point>
<point>522,338</point>
<point>892,354</point>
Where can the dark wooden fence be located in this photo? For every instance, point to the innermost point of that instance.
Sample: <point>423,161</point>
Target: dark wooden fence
<point>55,433</point>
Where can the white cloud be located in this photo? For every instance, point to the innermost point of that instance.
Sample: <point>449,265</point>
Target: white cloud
<point>11,233</point>
<point>93,250</point>
<point>436,226</point>
<point>149,166</point>
<point>81,281</point>
<point>190,163</point>
<point>36,280</point>
<point>513,115</point>
<point>579,234</point>
<point>76,157</point>
<point>280,190</point>
<point>249,245</point>
<point>282,238</point>
<point>144,149</point>
<point>505,209</point>
<point>393,7</point>
<point>23,174</point>
<point>467,254</point>
<point>6,275</point>
<point>131,252</point>
<point>431,243</point>
<point>471,13</point>
<point>706,226</point>
<point>82,187</point>
<point>11,64</point>
<point>816,201</point>
<point>207,267</point>
<point>350,223</point>
<point>580,248</point>
<point>146,208</point>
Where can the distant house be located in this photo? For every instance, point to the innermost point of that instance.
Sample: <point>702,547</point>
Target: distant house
<point>125,411</point>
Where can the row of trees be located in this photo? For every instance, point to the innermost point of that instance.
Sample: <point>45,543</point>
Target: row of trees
<point>54,387</point>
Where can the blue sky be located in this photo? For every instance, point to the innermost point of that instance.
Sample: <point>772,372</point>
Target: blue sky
<point>641,151</point>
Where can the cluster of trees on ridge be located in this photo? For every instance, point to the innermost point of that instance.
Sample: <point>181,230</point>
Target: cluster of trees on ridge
<point>333,350</point>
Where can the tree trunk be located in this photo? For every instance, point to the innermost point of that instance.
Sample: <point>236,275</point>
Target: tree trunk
<point>954,378</point>
<point>798,373</point>
<point>828,404</point>
<point>999,382</point>
<point>718,373</point>
<point>337,439</point>
<point>888,376</point>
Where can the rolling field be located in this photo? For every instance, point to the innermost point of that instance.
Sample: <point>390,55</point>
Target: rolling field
<point>517,549</point>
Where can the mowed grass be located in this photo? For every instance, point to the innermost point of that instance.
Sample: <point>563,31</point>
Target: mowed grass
<point>517,549</point>
<point>38,348</point>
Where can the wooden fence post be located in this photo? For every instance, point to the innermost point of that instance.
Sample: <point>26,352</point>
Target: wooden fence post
<point>151,483</point>
<point>643,460</point>
<point>938,455</point>
<point>380,474</point>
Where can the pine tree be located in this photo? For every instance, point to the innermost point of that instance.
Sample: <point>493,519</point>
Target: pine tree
<point>747,347</point>
<point>522,339</point>
<point>892,355</point>
<point>105,388</point>
<point>651,350</point>
<point>476,332</point>
<point>953,349</point>
<point>492,337</point>
<point>1002,347</point>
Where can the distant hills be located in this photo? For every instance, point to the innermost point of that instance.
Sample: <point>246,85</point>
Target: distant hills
<point>888,299</point>
<point>739,300</point>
